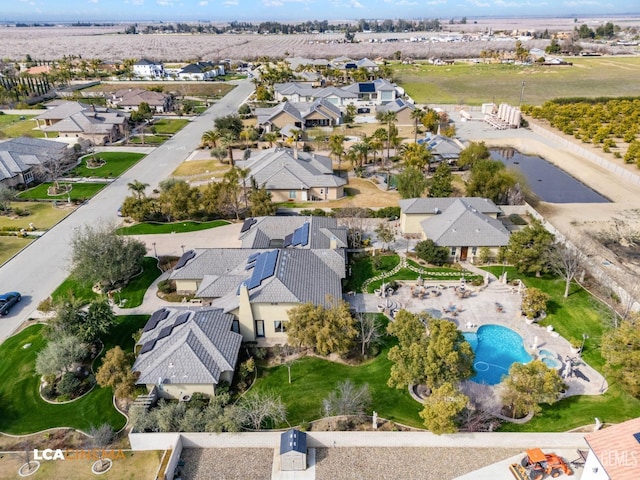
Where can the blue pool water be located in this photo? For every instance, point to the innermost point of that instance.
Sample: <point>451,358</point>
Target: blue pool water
<point>496,348</point>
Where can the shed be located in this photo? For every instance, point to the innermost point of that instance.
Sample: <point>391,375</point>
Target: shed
<point>293,450</point>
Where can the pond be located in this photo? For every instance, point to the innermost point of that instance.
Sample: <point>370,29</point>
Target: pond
<point>550,183</point>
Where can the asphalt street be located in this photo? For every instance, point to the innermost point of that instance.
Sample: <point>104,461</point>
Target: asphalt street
<point>40,268</point>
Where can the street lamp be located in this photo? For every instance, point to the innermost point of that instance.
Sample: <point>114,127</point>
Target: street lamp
<point>155,252</point>
<point>182,247</point>
<point>522,92</point>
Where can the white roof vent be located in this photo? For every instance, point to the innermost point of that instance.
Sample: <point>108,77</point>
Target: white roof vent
<point>436,210</point>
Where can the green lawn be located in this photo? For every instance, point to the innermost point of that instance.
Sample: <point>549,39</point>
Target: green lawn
<point>312,379</point>
<point>71,286</point>
<point>79,192</point>
<point>9,246</point>
<point>134,292</point>
<point>170,126</point>
<point>12,126</point>
<point>24,411</point>
<point>465,83</point>
<point>116,164</point>
<point>178,227</point>
<point>148,140</point>
<point>364,267</point>
<point>42,214</point>
<point>571,317</point>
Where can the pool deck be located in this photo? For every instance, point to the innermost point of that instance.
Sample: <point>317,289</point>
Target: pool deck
<point>481,308</point>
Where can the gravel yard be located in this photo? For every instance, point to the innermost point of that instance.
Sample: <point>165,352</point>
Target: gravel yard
<point>345,463</point>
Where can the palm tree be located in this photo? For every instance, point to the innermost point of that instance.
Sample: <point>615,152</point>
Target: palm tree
<point>245,136</point>
<point>362,150</point>
<point>389,118</point>
<point>270,137</point>
<point>243,174</point>
<point>416,116</point>
<point>210,138</point>
<point>415,155</point>
<point>228,139</point>
<point>295,136</point>
<point>138,188</point>
<point>336,146</point>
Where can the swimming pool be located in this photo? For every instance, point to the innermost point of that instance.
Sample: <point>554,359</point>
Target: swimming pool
<point>496,348</point>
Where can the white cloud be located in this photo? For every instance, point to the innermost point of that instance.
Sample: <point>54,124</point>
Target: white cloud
<point>478,3</point>
<point>164,3</point>
<point>347,4</point>
<point>580,3</point>
<point>92,1</point>
<point>406,3</point>
<point>203,4</point>
<point>231,3</point>
<point>135,2</point>
<point>437,2</point>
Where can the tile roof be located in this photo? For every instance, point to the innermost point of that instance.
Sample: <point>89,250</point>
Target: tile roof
<point>428,205</point>
<point>396,106</point>
<point>20,154</point>
<point>278,169</point>
<point>321,231</point>
<point>463,225</point>
<point>194,352</point>
<point>617,450</point>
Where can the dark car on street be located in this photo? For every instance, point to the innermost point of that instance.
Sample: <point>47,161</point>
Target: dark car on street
<point>8,300</point>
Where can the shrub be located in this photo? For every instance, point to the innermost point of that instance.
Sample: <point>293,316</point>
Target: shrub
<point>68,384</point>
<point>166,286</point>
<point>517,219</point>
<point>484,255</point>
<point>428,251</point>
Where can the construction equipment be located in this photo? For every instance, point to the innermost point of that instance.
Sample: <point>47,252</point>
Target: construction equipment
<point>536,465</point>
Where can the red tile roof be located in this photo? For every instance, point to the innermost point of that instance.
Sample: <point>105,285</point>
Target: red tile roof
<point>618,450</point>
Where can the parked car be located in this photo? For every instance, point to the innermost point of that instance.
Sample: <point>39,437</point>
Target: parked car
<point>7,301</point>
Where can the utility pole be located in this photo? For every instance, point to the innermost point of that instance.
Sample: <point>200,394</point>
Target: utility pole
<point>522,92</point>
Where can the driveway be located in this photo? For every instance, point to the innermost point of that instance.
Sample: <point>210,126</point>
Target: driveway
<point>38,269</point>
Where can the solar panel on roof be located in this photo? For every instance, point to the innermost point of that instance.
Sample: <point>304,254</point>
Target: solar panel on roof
<point>188,255</point>
<point>637,437</point>
<point>305,235</point>
<point>247,224</point>
<point>287,240</point>
<point>165,332</point>
<point>156,318</point>
<point>367,88</point>
<point>182,318</point>
<point>265,268</point>
<point>253,256</point>
<point>147,347</point>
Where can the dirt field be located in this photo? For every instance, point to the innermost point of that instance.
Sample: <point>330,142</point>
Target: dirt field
<point>108,43</point>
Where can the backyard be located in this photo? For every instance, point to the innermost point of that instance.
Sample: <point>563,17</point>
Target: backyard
<point>149,228</point>
<point>13,126</point>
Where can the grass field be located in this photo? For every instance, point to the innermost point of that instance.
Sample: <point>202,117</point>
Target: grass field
<point>178,227</point>
<point>135,465</point>
<point>42,214</point>
<point>11,126</point>
<point>474,84</point>
<point>134,292</point>
<point>9,246</point>
<point>206,168</point>
<point>148,140</point>
<point>79,192</point>
<point>71,286</point>
<point>170,126</point>
<point>116,164</point>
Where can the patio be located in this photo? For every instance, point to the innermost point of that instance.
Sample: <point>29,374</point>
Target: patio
<point>470,307</point>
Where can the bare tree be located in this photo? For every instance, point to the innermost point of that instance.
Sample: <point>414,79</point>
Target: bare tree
<point>99,438</point>
<point>288,357</point>
<point>52,169</point>
<point>369,328</point>
<point>566,260</point>
<point>347,399</point>
<point>259,408</point>
<point>354,219</point>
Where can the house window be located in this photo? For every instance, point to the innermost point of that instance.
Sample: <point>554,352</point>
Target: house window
<point>259,328</point>
<point>453,251</point>
<point>292,193</point>
<point>280,326</point>
<point>235,326</point>
<point>474,250</point>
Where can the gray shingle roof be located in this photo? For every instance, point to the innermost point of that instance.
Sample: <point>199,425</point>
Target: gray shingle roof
<point>396,106</point>
<point>18,155</point>
<point>321,231</point>
<point>195,352</point>
<point>463,225</point>
<point>278,169</point>
<point>429,205</point>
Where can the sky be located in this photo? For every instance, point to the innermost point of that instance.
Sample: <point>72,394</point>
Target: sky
<point>260,10</point>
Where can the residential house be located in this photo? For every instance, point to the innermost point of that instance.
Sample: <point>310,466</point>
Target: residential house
<point>462,224</point>
<point>614,452</point>
<point>98,125</point>
<point>129,100</point>
<point>20,156</point>
<point>283,262</point>
<point>320,113</point>
<point>148,69</point>
<point>301,92</point>
<point>290,175</point>
<point>375,92</point>
<point>443,149</point>
<point>183,351</point>
<point>402,109</point>
<point>200,71</point>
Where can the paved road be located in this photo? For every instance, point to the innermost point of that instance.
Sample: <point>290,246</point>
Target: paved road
<point>38,269</point>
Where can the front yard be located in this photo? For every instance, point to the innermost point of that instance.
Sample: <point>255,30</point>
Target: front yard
<point>115,164</point>
<point>79,192</point>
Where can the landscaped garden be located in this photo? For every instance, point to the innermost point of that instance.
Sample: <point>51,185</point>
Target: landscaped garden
<point>26,412</point>
<point>572,317</point>
<point>112,164</point>
<point>79,192</point>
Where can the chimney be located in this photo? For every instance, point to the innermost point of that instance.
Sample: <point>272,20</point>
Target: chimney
<point>295,152</point>
<point>333,243</point>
